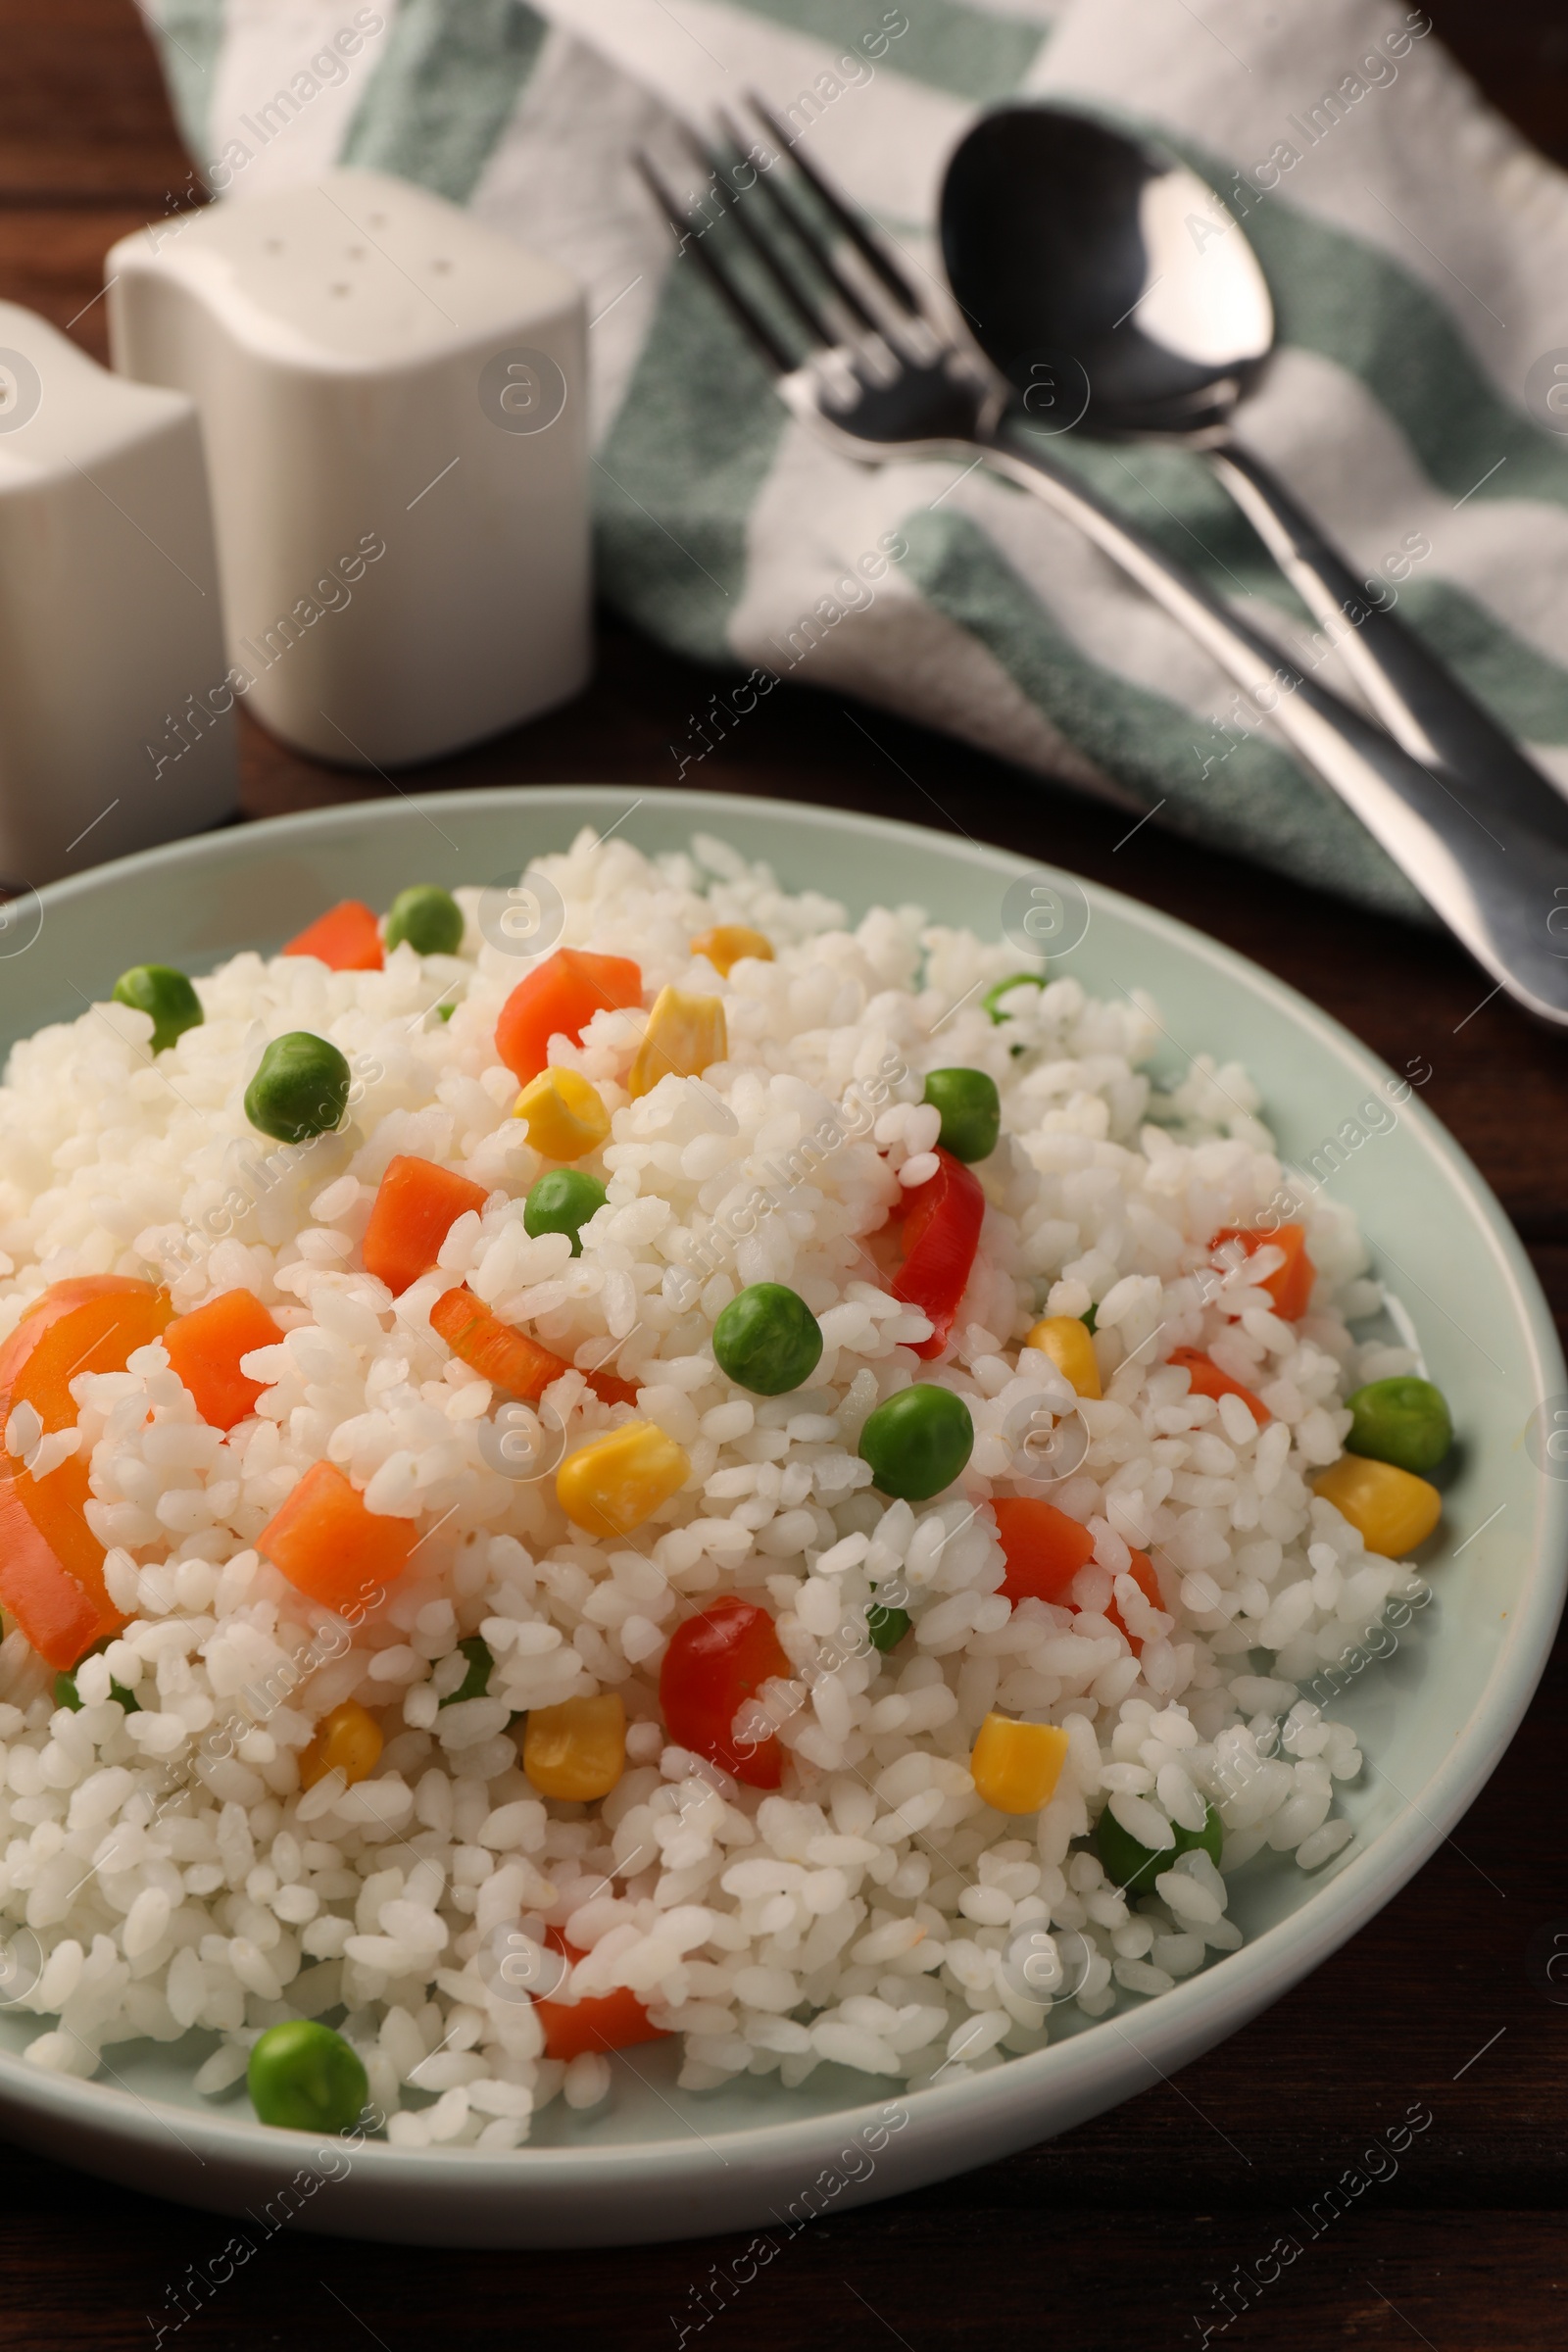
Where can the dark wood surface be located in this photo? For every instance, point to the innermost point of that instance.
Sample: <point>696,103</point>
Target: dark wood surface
<point>1108,2237</point>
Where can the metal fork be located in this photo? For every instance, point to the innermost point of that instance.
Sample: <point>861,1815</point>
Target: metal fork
<point>880,368</point>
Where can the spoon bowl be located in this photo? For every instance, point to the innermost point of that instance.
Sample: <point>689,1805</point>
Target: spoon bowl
<point>1114,256</point>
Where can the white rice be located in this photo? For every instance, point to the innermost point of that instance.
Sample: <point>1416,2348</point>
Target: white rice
<point>874,1913</point>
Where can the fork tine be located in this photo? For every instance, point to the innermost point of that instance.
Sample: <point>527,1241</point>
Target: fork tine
<point>805,236</point>
<point>784,279</point>
<point>735,302</point>
<point>867,247</point>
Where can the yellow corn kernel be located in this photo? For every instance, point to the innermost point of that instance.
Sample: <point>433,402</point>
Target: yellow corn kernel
<point>576,1751</point>
<point>684,1035</point>
<point>1070,1349</point>
<point>728,943</point>
<point>563,1114</point>
<point>1391,1511</point>
<point>613,1483</point>
<point>347,1738</point>
<point>1016,1765</point>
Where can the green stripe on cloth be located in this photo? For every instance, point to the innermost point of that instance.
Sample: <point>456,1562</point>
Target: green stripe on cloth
<point>960,50</point>
<point>1254,799</point>
<point>444,91</point>
<point>1525,687</point>
<point>191,34</point>
<point>682,580</point>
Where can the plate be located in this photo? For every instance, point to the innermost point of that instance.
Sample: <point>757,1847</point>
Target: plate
<point>1434,1719</point>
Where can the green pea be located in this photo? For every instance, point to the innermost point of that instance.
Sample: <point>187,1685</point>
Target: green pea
<point>768,1340</point>
<point>475,1684</point>
<point>886,1627</point>
<point>302,1088</point>
<point>1090,1319</point>
<point>1133,1868</point>
<point>428,918</point>
<point>158,989</point>
<point>992,1000</point>
<point>563,1201</point>
<point>304,2078</point>
<point>1404,1421</point>
<point>67,1696</point>
<point>918,1442</point>
<point>971,1111</point>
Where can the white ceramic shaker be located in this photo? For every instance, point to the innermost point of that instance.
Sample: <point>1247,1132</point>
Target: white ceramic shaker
<point>111,621</point>
<point>392,396</point>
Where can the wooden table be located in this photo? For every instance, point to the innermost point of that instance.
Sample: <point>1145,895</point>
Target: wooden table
<point>1108,2235</point>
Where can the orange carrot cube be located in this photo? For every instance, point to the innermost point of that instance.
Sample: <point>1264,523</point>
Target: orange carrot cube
<point>330,1546</point>
<point>1142,1571</point>
<point>1044,1547</point>
<point>415,1208</point>
<point>1207,1380</point>
<point>347,938</point>
<point>205,1349</point>
<point>607,2021</point>
<point>1289,1286</point>
<point>50,1563</point>
<point>559,999</point>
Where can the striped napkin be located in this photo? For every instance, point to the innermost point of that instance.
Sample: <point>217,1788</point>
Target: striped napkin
<point>1417,252</point>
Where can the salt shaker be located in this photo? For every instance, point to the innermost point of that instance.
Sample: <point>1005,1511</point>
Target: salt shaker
<point>392,396</point>
<point>113,730</point>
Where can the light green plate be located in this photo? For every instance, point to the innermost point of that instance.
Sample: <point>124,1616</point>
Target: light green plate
<point>1433,1720</point>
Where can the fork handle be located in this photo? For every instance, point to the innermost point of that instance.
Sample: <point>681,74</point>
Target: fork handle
<point>1501,885</point>
<point>1420,702</point>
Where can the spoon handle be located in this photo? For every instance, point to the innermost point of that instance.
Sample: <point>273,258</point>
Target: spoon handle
<point>1418,699</point>
<point>1501,885</point>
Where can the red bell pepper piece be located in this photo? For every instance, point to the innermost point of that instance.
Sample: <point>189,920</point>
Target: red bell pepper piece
<point>347,938</point>
<point>942,1221</point>
<point>1207,1380</point>
<point>1289,1286</point>
<point>716,1661</point>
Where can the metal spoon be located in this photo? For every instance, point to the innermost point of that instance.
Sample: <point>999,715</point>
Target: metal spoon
<point>1067,242</point>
